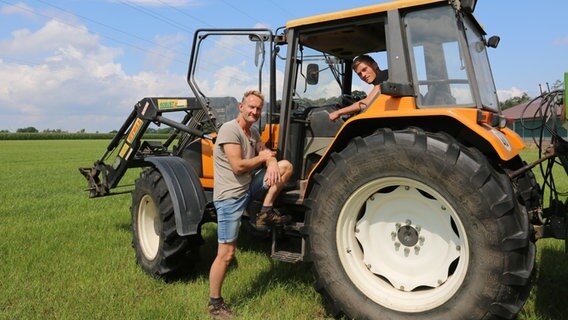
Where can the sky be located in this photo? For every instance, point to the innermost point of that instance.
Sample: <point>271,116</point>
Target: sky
<point>83,64</point>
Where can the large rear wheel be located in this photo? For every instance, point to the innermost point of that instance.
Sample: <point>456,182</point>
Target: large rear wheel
<point>409,225</point>
<point>160,251</point>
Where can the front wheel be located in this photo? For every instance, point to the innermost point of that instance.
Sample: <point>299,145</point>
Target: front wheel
<point>409,225</point>
<point>160,251</point>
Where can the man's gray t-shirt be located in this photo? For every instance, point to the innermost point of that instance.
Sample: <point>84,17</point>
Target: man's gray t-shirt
<point>228,184</point>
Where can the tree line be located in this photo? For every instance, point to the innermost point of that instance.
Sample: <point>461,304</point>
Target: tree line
<point>82,131</point>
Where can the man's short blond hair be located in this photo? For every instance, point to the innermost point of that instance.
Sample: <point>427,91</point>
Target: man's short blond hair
<point>255,93</point>
<point>364,58</point>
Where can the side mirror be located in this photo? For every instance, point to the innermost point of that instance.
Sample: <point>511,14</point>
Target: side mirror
<point>468,5</point>
<point>259,50</point>
<point>312,76</point>
<point>493,41</point>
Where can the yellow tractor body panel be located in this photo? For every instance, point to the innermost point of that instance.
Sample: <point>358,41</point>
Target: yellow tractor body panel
<point>207,163</point>
<point>356,12</point>
<point>505,141</point>
<point>270,135</point>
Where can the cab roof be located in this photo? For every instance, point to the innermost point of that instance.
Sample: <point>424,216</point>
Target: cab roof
<point>356,12</point>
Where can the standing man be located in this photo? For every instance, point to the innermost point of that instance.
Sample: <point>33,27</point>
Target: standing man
<point>368,70</point>
<point>238,152</point>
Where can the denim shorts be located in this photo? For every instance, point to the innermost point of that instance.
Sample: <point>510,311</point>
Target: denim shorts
<point>230,211</point>
<point>258,187</point>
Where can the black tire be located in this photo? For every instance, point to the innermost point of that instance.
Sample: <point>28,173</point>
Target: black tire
<point>413,225</point>
<point>160,251</point>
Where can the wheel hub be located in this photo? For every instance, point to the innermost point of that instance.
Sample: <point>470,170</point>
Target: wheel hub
<point>408,236</point>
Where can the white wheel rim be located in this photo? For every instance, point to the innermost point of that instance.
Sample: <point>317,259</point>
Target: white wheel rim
<point>402,244</point>
<point>148,236</point>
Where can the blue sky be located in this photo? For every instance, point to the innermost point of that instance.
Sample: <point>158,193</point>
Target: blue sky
<point>83,64</point>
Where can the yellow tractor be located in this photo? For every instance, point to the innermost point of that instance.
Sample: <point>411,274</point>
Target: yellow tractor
<point>419,208</point>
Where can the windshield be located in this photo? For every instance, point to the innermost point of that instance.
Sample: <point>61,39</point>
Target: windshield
<point>331,74</point>
<point>438,63</point>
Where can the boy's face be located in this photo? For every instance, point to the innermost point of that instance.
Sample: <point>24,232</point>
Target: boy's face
<point>366,72</point>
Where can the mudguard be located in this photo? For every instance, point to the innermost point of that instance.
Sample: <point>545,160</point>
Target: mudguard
<point>188,196</point>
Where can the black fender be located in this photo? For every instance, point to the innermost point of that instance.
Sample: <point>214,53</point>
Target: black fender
<point>188,196</point>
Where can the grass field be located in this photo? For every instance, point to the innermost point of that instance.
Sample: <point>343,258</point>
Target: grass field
<point>65,256</point>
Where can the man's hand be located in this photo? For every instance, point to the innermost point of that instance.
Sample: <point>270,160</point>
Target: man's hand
<point>272,175</point>
<point>333,116</point>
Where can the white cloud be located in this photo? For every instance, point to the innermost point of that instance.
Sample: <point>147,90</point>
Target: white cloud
<point>51,37</point>
<point>75,83</point>
<point>505,94</point>
<point>19,8</point>
<point>262,25</point>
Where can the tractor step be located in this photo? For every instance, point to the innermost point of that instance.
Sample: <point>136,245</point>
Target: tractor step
<point>296,227</point>
<point>288,254</point>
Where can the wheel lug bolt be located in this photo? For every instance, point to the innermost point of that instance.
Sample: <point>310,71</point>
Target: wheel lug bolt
<point>393,235</point>
<point>406,252</point>
<point>408,222</point>
<point>397,245</point>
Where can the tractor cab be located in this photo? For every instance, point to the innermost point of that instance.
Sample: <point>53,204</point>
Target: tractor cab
<point>434,66</point>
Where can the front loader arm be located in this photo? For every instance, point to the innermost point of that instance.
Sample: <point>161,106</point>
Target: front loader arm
<point>102,177</point>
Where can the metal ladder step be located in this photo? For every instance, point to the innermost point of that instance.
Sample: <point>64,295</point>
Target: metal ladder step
<point>287,256</point>
<point>291,231</point>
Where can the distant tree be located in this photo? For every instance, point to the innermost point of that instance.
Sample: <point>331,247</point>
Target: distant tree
<point>165,130</point>
<point>81,131</point>
<point>28,129</point>
<point>54,131</point>
<point>4,131</point>
<point>514,101</point>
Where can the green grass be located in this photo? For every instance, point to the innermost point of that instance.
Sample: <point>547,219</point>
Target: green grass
<point>65,256</point>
